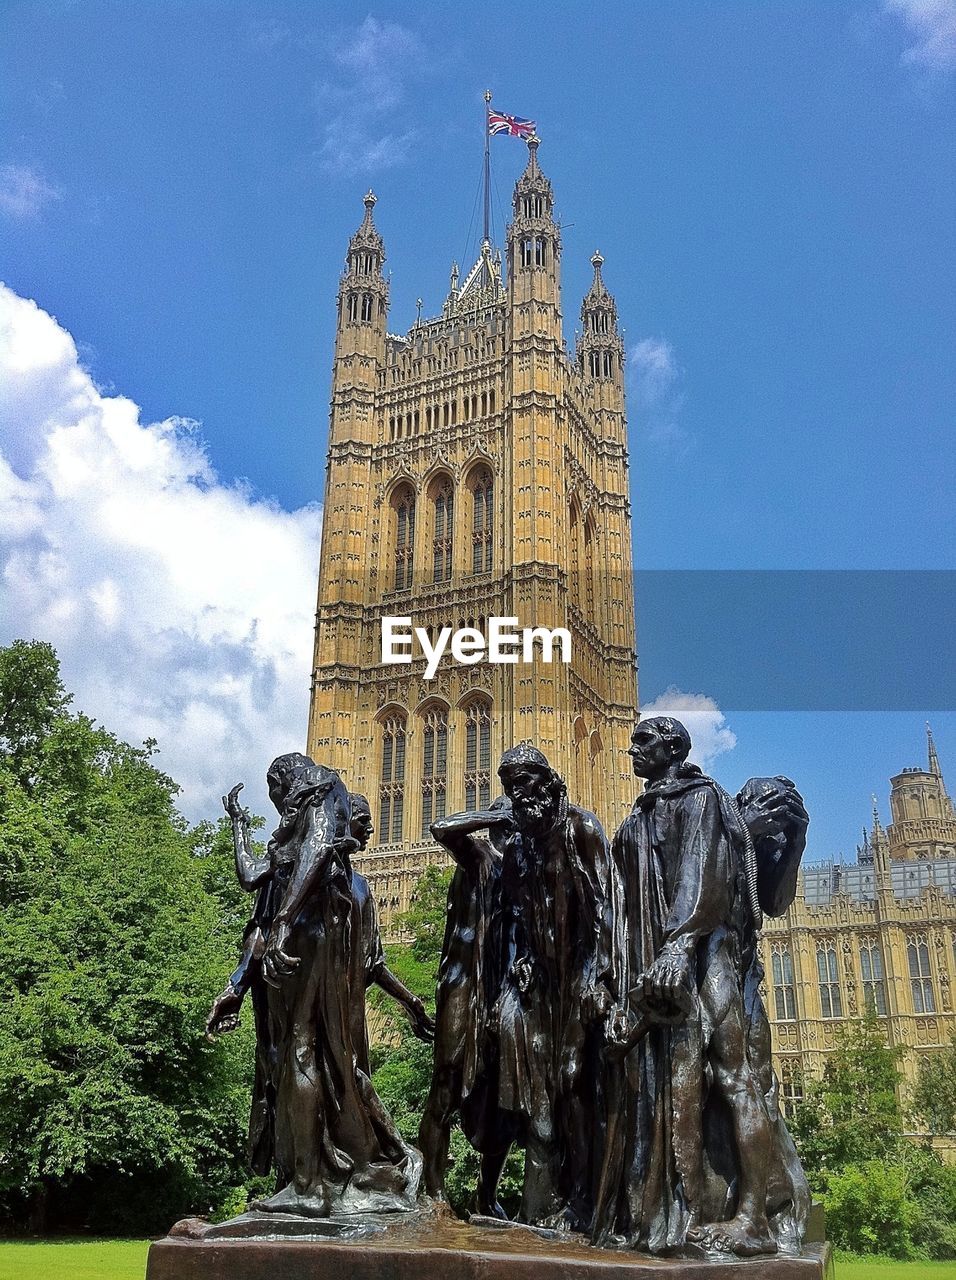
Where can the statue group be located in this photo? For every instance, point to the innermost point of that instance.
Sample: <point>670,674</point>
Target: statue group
<point>598,1005</point>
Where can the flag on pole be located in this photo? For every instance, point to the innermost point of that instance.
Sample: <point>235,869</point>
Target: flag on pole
<point>513,126</point>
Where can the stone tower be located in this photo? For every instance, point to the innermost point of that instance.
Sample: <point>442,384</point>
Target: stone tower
<point>924,824</point>
<point>475,470</point>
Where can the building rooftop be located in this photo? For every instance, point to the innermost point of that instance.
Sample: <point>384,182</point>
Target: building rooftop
<point>823,880</point>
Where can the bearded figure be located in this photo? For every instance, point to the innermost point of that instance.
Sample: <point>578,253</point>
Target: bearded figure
<point>557,915</point>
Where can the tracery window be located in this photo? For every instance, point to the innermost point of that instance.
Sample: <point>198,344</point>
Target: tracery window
<point>784,995</point>
<point>482,544</point>
<point>828,974</point>
<point>921,978</point>
<point>443,535</point>
<point>871,970</point>
<point>391,794</point>
<point>791,1087</point>
<point>404,503</point>
<point>434,767</point>
<point>589,539</point>
<point>478,754</point>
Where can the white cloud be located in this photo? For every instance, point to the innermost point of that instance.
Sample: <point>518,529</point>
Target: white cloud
<point>24,193</point>
<point>932,25</point>
<point>656,400</point>
<point>356,107</point>
<point>703,719</point>
<point>181,606</point>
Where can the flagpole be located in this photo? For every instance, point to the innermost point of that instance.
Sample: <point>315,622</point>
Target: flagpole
<point>487,235</point>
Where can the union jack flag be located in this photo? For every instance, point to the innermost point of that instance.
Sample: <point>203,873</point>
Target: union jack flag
<point>514,126</point>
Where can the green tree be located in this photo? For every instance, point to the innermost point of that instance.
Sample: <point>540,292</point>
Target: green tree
<point>115,1112</point>
<point>934,1094</point>
<point>32,699</point>
<point>853,1114</point>
<point>882,1192</point>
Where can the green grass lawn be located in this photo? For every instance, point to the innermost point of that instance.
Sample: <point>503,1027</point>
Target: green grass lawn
<point>74,1260</point>
<point>878,1269</point>
<point>126,1260</point>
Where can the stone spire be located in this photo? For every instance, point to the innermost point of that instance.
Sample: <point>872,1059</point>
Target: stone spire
<point>367,240</point>
<point>363,289</point>
<point>600,351</point>
<point>931,751</point>
<point>534,239</point>
<point>878,841</point>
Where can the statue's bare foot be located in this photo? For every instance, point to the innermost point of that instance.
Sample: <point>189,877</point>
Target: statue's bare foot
<point>739,1236</point>
<point>487,1210</point>
<point>288,1200</point>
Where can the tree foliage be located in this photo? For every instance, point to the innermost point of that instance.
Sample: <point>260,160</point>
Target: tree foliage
<point>116,930</point>
<point>853,1113</point>
<point>882,1192</point>
<point>934,1094</point>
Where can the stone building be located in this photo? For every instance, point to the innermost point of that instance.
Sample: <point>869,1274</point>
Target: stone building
<point>476,469</point>
<point>879,933</point>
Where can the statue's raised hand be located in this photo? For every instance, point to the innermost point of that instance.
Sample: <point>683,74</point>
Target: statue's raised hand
<point>232,806</point>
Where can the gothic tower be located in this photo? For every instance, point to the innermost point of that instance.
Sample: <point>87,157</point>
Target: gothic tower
<point>475,470</point>
<point>924,823</point>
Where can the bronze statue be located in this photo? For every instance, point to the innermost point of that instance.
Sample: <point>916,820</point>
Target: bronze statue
<point>776,820</point>
<point>469,980</point>
<point>694,1154</point>
<point>309,952</point>
<point>599,1007</point>
<point>556,988</point>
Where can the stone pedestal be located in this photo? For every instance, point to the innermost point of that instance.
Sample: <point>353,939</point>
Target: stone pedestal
<point>429,1247</point>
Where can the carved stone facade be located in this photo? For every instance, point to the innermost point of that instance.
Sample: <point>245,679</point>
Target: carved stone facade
<point>476,469</point>
<point>880,933</point>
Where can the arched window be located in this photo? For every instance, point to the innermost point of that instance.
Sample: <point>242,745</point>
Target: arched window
<point>589,539</point>
<point>366,307</point>
<point>443,497</point>
<point>434,767</point>
<point>391,793</point>
<point>478,754</point>
<point>784,995</point>
<point>791,1086</point>
<point>874,982</point>
<point>482,489</point>
<point>404,504</point>
<point>353,306</point>
<point>828,975</point>
<point>921,979</point>
<point>574,552</point>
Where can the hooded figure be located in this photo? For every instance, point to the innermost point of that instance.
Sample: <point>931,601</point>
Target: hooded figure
<point>692,1142</point>
<point>557,897</point>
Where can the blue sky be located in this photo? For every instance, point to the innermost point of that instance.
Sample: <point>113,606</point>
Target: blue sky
<point>773,189</point>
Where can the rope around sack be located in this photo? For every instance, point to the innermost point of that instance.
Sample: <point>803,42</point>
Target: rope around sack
<point>750,858</point>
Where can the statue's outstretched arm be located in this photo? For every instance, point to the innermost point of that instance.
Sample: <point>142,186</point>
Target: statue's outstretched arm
<point>422,1025</point>
<point>251,869</point>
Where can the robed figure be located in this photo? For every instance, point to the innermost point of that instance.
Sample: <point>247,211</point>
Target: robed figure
<point>693,1145</point>
<point>315,1117</point>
